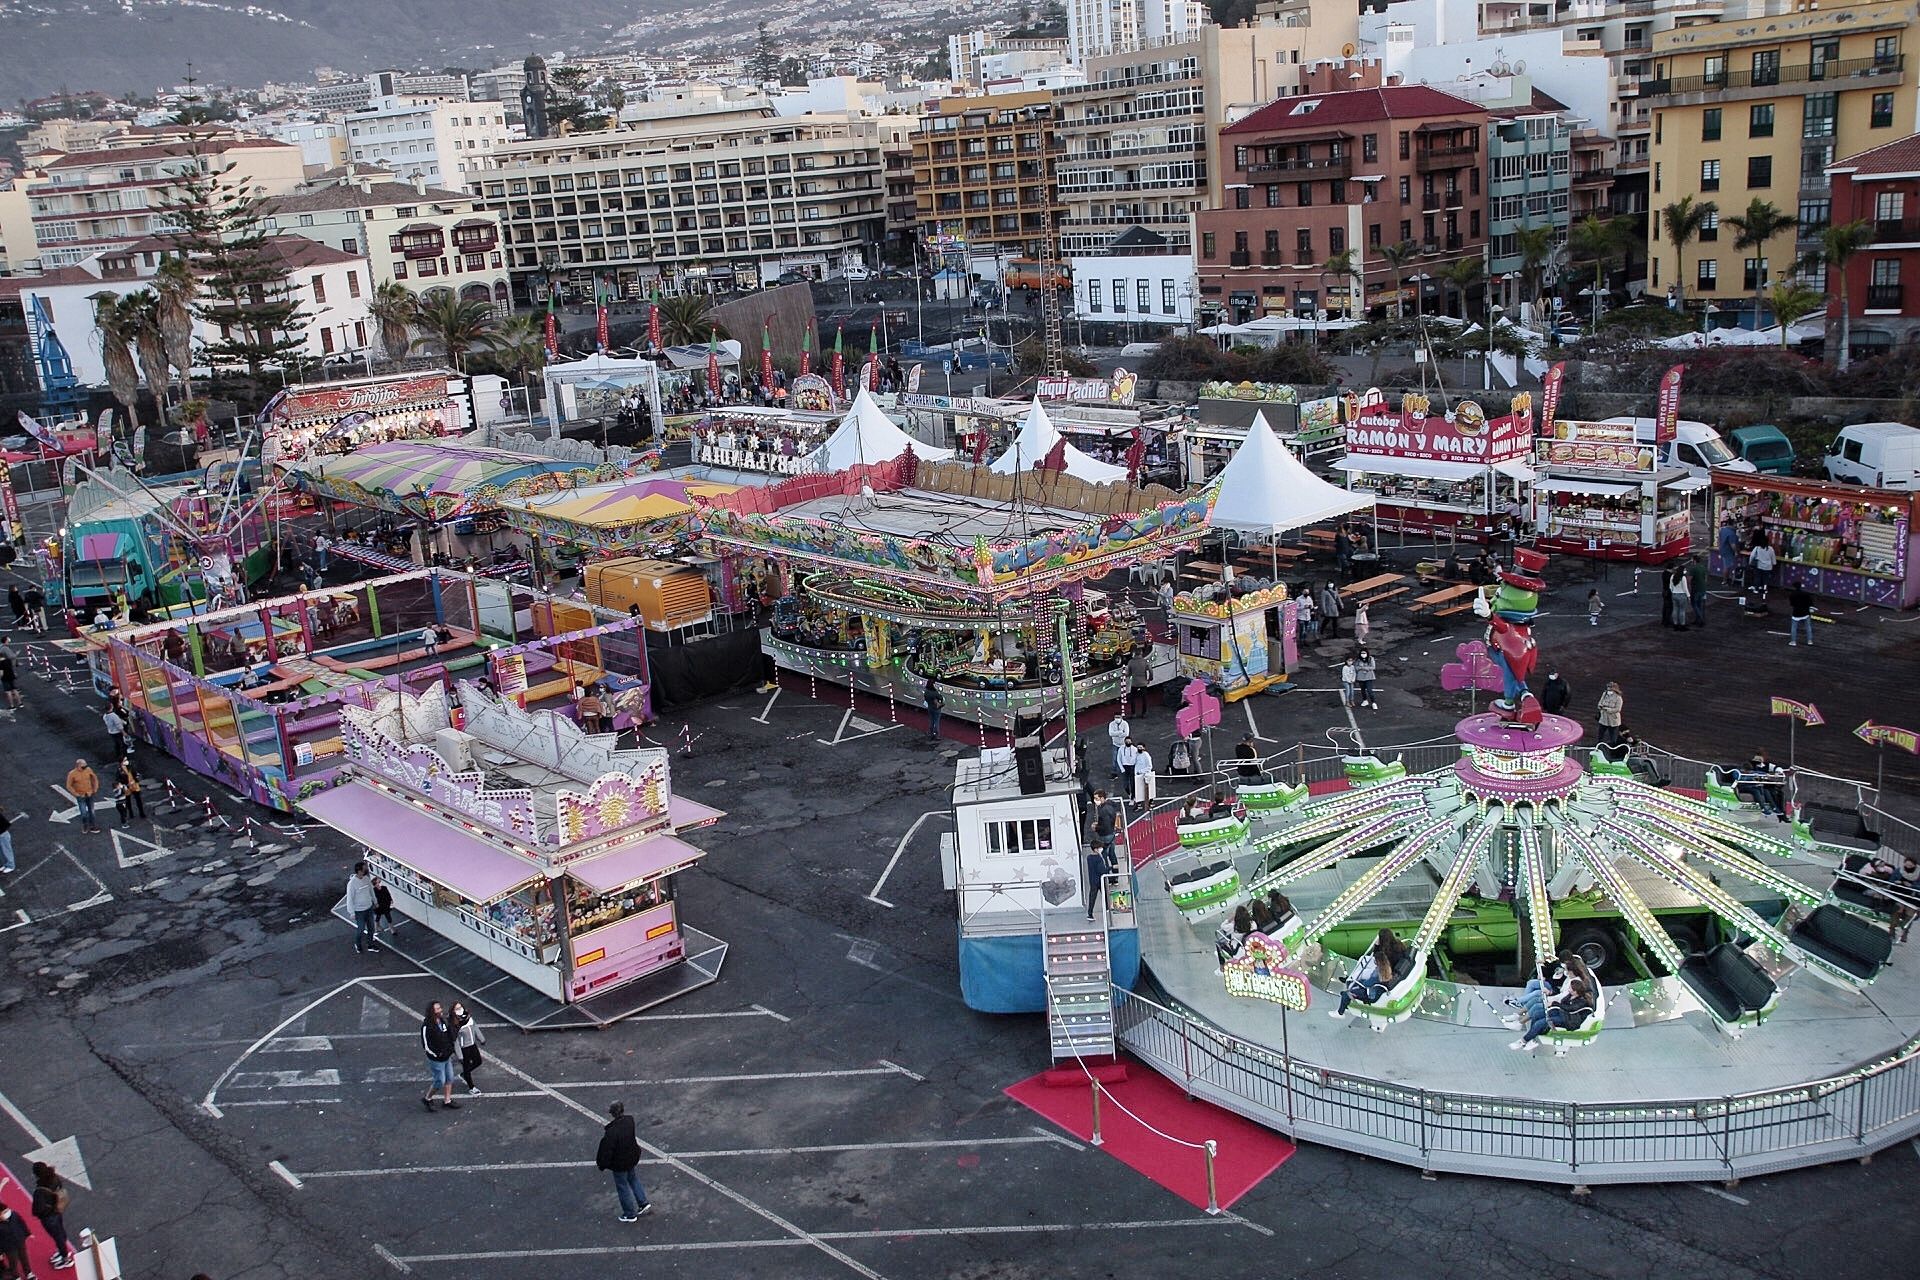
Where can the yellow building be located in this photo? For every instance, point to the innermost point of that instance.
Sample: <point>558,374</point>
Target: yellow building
<point>1758,109</point>
<point>983,174</point>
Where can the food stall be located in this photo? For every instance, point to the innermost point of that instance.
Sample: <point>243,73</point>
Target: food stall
<point>1846,541</point>
<point>750,438</point>
<point>337,417</point>
<point>1600,494</point>
<point>1434,474</point>
<point>548,852</point>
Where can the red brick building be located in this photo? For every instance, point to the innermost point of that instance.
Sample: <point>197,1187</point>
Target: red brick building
<point>1881,187</point>
<point>1312,176</point>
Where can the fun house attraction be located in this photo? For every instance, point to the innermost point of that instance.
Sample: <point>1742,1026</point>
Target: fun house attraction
<point>1419,904</point>
<point>907,571</point>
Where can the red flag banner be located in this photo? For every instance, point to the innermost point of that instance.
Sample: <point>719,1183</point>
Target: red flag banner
<point>653,325</point>
<point>1666,419</point>
<point>766,355</point>
<point>1056,459</point>
<point>553,335</point>
<point>1550,395</point>
<point>600,318</point>
<point>713,369</point>
<point>982,440</point>
<point>1136,456</point>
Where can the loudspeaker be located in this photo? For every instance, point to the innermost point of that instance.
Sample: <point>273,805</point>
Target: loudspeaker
<point>1031,769</point>
<point>1026,729</point>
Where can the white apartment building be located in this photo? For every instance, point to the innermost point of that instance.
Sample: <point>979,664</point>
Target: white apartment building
<point>423,237</point>
<point>445,143</point>
<point>92,201</point>
<point>1138,137</point>
<point>1134,289</point>
<point>330,286</point>
<point>692,202</point>
<point>1095,27</point>
<point>969,52</point>
<point>19,250</point>
<point>322,141</point>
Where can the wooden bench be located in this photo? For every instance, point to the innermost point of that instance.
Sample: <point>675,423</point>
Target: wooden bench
<point>1360,588</point>
<point>1450,610</point>
<point>1370,601</point>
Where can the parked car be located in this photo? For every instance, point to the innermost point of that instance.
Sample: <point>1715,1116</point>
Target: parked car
<point>1696,447</point>
<point>1765,446</point>
<point>855,272</point>
<point>794,277</point>
<point>1884,454</point>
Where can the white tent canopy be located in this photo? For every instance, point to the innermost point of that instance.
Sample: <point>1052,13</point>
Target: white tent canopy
<point>1035,441</point>
<point>868,435</point>
<point>1265,489</point>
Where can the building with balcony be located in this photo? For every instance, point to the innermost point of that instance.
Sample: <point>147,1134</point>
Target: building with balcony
<point>89,202</point>
<point>1759,110</point>
<point>446,144</point>
<point>1882,188</point>
<point>983,175</point>
<point>425,238</point>
<point>1095,27</point>
<point>977,56</point>
<point>1136,137</point>
<point>700,201</point>
<point>1313,177</point>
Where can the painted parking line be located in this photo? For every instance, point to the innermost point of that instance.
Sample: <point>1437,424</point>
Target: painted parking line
<point>873,894</point>
<point>1724,1195</point>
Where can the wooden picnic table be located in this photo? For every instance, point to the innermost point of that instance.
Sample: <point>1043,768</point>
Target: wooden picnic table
<point>1283,554</point>
<point>1321,537</point>
<point>1204,566</point>
<point>1374,583</point>
<point>1442,596</point>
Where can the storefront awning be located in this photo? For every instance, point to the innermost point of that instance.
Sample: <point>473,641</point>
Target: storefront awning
<point>1516,468</point>
<point>685,813</point>
<point>1600,487</point>
<point>643,861</point>
<point>1381,464</point>
<point>473,868</point>
<point>1692,484</point>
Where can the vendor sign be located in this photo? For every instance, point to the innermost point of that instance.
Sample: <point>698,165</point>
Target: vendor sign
<point>1594,446</point>
<point>385,396</point>
<point>1416,430</point>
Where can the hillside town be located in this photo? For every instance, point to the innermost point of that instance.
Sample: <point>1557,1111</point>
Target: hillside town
<point>1058,639</point>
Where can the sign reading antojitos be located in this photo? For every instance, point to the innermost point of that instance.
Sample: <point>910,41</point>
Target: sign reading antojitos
<point>388,395</point>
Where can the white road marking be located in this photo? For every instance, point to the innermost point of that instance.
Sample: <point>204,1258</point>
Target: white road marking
<point>299,1044</point>
<point>1724,1195</point>
<point>743,1078</point>
<point>873,894</point>
<point>759,1008</point>
<point>286,1175</point>
<point>326,1078</point>
<point>214,1111</point>
<point>759,1210</point>
<point>762,717</point>
<point>27,1126</point>
<point>1252,727</point>
<point>392,1261</point>
<point>868,729</point>
<point>213,1091</point>
<point>915,1076</point>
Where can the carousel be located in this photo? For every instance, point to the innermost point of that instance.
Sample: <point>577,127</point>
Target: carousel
<point>902,575</point>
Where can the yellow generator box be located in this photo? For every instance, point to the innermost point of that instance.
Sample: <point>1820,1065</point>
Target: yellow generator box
<point>670,595</point>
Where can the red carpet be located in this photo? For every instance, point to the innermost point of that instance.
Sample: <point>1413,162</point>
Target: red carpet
<point>39,1246</point>
<point>1248,1153</point>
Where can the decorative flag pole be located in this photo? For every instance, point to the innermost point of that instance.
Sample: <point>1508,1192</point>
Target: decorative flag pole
<point>873,359</point>
<point>766,358</point>
<point>806,350</point>
<point>553,326</point>
<point>653,323</point>
<point>838,374</point>
<point>713,364</point>
<point>599,316</point>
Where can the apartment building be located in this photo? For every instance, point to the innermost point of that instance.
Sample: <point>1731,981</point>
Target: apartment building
<point>983,174</point>
<point>974,57</point>
<point>1758,111</point>
<point>91,201</point>
<point>716,200</point>
<point>1095,27</point>
<point>359,94</point>
<point>1882,188</point>
<point>1136,138</point>
<point>1331,172</point>
<point>446,144</point>
<point>19,249</point>
<point>423,237</point>
<point>322,141</point>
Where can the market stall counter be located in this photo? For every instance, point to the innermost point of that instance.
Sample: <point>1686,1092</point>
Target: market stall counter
<point>1601,495</point>
<point>1845,541</point>
<point>1438,474</point>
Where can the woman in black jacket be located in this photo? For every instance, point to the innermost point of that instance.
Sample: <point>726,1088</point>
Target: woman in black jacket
<point>437,1039</point>
<point>50,1206</point>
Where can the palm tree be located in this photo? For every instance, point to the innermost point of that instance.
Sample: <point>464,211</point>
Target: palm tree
<point>1838,244</point>
<point>1535,246</point>
<point>1791,300</point>
<point>393,307</point>
<point>687,321</point>
<point>1463,274</point>
<point>117,325</point>
<point>1762,221</point>
<point>1398,257</point>
<point>1684,219</point>
<point>453,327</point>
<point>150,347</point>
<point>518,345</point>
<point>1341,267</point>
<point>175,289</point>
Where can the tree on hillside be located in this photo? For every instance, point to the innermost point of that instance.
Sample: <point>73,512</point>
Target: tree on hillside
<point>245,293</point>
<point>764,66</point>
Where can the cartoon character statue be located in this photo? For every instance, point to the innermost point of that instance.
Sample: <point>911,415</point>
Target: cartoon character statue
<point>1509,608</point>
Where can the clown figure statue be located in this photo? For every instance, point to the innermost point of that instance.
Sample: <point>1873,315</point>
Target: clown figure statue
<point>1509,607</point>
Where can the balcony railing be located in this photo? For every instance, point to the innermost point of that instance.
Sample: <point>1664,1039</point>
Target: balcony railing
<point>1319,167</point>
<point>1239,258</point>
<point>1883,297</point>
<point>1834,69</point>
<point>1272,258</point>
<point>1895,230</point>
<point>1433,158</point>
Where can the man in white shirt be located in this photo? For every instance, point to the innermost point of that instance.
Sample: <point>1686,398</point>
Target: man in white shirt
<point>116,733</point>
<point>1117,731</point>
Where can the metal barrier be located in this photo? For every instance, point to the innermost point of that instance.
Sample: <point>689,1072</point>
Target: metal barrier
<point>1848,1115</point>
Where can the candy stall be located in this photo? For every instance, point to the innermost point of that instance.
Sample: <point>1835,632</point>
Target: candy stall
<point>1845,541</point>
<point>1438,473</point>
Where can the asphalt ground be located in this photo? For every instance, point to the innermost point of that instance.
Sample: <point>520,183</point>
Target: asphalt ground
<point>245,1089</point>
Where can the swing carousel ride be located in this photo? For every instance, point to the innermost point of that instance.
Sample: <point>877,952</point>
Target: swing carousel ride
<point>1688,911</point>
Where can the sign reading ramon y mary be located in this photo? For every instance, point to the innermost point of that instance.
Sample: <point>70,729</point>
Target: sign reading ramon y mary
<point>1420,429</point>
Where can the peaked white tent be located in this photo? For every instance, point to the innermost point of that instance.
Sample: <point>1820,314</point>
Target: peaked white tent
<point>1264,489</point>
<point>868,435</point>
<point>1035,441</point>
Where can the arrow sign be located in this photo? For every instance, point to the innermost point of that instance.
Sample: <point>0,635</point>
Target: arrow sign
<point>64,815</point>
<point>1907,740</point>
<point>63,1155</point>
<point>1805,712</point>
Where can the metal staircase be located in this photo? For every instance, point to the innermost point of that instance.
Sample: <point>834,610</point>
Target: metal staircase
<point>1079,975</point>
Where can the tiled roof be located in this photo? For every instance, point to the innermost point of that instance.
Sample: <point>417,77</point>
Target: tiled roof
<point>1899,156</point>
<point>312,199</point>
<point>157,151</point>
<point>1354,106</point>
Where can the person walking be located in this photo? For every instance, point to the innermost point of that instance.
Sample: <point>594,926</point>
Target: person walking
<point>1760,563</point>
<point>1363,674</point>
<point>18,603</point>
<point>383,908</point>
<point>1106,829</point>
<point>619,1155</point>
<point>1677,589</point>
<point>83,784</point>
<point>1361,624</point>
<point>127,791</point>
<point>9,679</point>
<point>6,843</point>
<point>437,1040</point>
<point>468,1037</point>
<point>933,700</point>
<point>1595,607</point>
<point>37,610</point>
<point>1145,788</point>
<point>50,1197</point>
<point>1610,707</point>
<point>1117,731</point>
<point>322,552</point>
<point>1347,681</point>
<point>1554,694</point>
<point>116,726</point>
<point>1308,621</point>
<point>1329,612</point>
<point>361,901</point>
<point>1697,589</point>
<point>13,1244</point>
<point>1129,754</point>
<point>1729,548</point>
<point>1800,615</point>
<point>1139,677</point>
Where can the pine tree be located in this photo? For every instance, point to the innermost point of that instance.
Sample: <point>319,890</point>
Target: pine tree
<point>245,280</point>
<point>765,64</point>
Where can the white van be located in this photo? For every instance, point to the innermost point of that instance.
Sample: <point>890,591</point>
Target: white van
<point>1884,454</point>
<point>1695,447</point>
